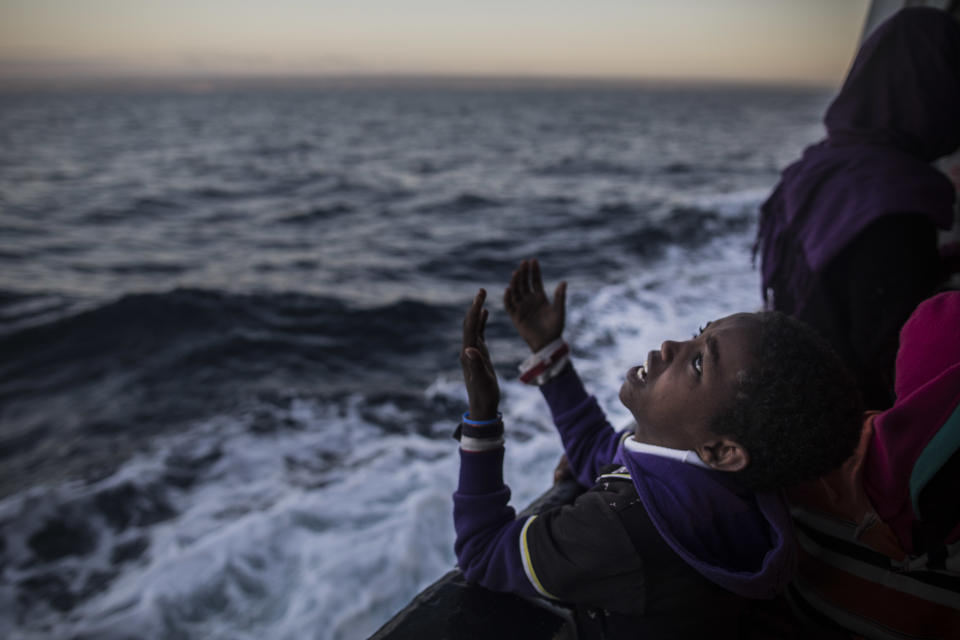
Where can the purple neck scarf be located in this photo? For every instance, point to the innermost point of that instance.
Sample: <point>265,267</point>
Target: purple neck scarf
<point>898,110</point>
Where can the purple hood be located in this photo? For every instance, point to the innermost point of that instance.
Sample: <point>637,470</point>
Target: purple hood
<point>896,112</point>
<point>739,540</point>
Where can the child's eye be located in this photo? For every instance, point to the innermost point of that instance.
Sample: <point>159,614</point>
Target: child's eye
<point>698,364</point>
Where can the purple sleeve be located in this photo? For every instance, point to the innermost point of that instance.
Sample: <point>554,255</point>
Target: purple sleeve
<point>488,535</point>
<point>588,439</point>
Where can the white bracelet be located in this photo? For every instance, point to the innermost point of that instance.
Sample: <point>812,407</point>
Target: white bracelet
<point>545,363</point>
<point>476,445</point>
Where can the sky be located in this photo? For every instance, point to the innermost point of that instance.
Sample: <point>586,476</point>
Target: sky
<point>784,41</point>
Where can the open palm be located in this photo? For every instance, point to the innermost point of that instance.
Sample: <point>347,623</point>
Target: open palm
<point>538,321</point>
<point>483,392</point>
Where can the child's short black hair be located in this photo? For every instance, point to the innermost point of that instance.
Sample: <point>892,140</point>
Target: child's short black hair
<point>797,410</point>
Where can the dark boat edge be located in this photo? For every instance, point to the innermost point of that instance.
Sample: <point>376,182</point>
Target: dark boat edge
<point>453,608</point>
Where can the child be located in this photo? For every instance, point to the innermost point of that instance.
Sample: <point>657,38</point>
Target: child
<point>684,524</point>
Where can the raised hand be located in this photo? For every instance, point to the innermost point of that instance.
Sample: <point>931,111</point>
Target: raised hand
<point>479,376</point>
<point>538,321</point>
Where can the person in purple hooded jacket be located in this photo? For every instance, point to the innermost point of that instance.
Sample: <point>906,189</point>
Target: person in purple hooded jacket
<point>685,521</point>
<point>848,238</point>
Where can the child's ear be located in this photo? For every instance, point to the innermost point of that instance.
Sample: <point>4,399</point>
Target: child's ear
<point>724,454</point>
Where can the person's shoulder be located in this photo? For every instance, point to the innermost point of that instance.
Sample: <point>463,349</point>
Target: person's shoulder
<point>599,507</point>
<point>614,489</point>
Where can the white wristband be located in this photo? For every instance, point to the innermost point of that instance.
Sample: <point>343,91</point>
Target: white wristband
<point>477,445</point>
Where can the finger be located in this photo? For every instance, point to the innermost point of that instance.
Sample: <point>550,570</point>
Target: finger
<point>481,341</point>
<point>536,281</point>
<point>560,298</point>
<point>508,301</point>
<point>516,293</point>
<point>471,320</point>
<point>525,277</point>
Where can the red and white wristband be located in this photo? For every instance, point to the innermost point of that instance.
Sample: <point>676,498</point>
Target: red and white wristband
<point>545,363</point>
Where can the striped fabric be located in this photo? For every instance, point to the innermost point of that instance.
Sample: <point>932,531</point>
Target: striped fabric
<point>843,582</point>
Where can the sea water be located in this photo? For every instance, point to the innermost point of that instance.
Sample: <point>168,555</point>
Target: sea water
<point>230,322</point>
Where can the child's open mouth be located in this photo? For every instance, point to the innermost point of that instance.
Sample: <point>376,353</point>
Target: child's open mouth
<point>639,374</point>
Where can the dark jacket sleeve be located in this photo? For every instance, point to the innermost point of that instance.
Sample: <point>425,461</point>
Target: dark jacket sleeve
<point>578,553</point>
<point>588,439</point>
<point>581,554</point>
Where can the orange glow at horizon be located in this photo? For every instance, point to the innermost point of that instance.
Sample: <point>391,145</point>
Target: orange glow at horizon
<point>743,40</point>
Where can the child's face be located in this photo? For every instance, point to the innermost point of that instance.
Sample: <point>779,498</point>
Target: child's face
<point>687,383</point>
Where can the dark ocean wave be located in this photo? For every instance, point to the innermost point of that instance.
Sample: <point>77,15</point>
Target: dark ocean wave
<point>586,166</point>
<point>141,208</point>
<point>106,526</point>
<point>317,214</point>
<point>20,310</point>
<point>21,229</point>
<point>463,204</point>
<point>678,168</point>
<point>686,227</point>
<point>143,328</point>
<point>118,374</point>
<point>132,268</point>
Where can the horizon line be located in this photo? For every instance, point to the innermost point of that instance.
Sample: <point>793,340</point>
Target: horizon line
<point>200,82</point>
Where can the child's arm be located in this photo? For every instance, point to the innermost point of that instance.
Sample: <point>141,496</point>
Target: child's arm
<point>573,554</point>
<point>487,534</point>
<point>588,439</point>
